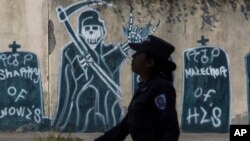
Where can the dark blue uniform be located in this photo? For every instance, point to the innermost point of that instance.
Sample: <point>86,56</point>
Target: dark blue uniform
<point>151,114</point>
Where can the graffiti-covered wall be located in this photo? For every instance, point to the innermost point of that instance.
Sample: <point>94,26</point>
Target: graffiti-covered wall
<point>24,67</point>
<point>206,99</point>
<point>65,65</point>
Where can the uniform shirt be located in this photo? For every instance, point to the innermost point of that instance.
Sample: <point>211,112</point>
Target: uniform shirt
<point>151,114</point>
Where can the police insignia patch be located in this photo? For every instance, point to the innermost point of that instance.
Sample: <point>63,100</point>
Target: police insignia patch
<point>160,101</point>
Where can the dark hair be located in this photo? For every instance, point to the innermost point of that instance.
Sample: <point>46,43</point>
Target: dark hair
<point>161,67</point>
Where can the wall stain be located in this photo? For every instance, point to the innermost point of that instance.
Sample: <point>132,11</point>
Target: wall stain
<point>51,37</point>
<point>233,3</point>
<point>245,9</point>
<point>240,118</point>
<point>210,17</point>
<point>178,12</point>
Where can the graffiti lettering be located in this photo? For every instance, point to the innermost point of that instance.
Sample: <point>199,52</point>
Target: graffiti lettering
<point>206,71</point>
<point>27,57</point>
<point>207,89</point>
<point>202,116</point>
<point>190,116</point>
<point>14,59</point>
<point>199,92</point>
<point>24,72</point>
<point>216,118</point>
<point>24,112</point>
<point>202,55</point>
<point>12,92</point>
<point>21,98</point>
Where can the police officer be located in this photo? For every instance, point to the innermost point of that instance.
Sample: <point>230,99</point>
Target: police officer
<point>152,113</point>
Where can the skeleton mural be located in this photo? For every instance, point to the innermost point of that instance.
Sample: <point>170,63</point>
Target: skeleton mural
<point>89,91</point>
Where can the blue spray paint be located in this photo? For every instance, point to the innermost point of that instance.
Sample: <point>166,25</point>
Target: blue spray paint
<point>247,65</point>
<point>206,101</point>
<point>21,99</point>
<point>89,85</point>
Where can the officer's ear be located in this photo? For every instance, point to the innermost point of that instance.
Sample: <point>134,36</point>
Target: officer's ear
<point>150,63</point>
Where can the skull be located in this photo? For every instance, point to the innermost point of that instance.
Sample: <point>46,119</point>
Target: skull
<point>92,34</point>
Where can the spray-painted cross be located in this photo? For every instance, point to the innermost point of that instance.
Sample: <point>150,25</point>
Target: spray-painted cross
<point>203,41</point>
<point>14,46</point>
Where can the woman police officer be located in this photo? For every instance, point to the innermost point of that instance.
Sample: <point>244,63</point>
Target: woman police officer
<point>151,113</point>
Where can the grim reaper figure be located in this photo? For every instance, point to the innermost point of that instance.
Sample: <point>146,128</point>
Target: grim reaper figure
<point>89,91</point>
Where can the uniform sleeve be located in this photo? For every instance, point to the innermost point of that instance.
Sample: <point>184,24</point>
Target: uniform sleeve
<point>117,133</point>
<point>164,102</point>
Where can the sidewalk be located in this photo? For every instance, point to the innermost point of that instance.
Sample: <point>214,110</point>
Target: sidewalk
<point>34,136</point>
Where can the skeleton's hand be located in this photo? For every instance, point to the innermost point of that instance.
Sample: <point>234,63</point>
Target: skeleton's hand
<point>138,34</point>
<point>84,62</point>
<point>134,33</point>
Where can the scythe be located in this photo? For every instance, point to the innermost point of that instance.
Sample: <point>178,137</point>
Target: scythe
<point>63,15</point>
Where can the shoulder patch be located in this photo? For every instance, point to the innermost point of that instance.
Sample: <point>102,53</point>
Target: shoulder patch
<point>160,101</point>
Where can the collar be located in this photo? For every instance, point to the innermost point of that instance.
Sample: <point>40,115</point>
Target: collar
<point>143,86</point>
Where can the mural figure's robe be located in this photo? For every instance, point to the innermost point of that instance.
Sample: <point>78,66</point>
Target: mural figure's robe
<point>86,103</point>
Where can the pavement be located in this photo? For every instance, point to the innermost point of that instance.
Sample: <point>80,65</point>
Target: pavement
<point>44,136</point>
